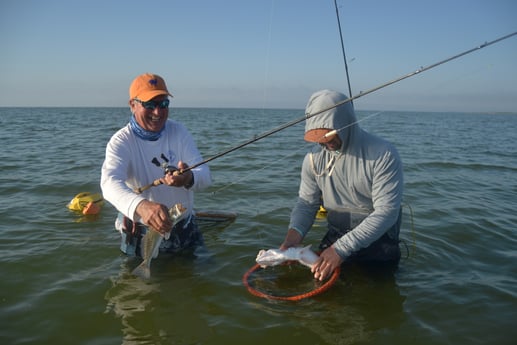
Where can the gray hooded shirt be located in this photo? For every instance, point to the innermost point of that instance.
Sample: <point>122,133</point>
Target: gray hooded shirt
<point>360,185</point>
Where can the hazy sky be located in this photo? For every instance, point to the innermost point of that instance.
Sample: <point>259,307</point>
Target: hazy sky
<point>259,53</point>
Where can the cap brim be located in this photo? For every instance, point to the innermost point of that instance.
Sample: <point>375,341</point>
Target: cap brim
<point>318,135</point>
<point>147,96</point>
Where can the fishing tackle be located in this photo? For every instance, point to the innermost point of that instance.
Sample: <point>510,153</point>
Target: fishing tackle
<point>343,50</point>
<point>350,99</point>
<point>168,169</point>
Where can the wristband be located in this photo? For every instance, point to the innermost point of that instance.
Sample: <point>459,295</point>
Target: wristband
<point>188,186</point>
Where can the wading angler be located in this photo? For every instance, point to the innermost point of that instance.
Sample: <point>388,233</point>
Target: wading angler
<point>152,147</point>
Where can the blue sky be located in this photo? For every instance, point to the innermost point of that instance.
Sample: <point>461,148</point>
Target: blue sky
<point>259,53</point>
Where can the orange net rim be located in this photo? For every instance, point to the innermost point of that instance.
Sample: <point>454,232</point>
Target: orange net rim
<point>324,287</point>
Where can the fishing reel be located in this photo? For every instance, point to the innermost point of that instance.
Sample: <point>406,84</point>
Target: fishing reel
<point>169,169</point>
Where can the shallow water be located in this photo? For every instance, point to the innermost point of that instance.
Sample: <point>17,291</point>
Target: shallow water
<point>65,281</point>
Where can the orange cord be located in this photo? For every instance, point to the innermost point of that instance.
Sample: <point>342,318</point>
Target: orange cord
<point>322,288</point>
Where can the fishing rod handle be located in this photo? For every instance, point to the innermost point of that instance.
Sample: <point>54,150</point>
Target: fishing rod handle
<point>156,182</point>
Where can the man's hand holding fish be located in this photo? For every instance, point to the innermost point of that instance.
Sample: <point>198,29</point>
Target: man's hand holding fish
<point>326,263</point>
<point>155,215</point>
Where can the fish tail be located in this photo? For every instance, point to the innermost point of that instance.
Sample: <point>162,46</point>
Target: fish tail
<point>143,271</point>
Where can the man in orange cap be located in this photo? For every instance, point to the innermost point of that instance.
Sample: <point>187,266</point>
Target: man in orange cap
<point>359,179</point>
<point>152,147</point>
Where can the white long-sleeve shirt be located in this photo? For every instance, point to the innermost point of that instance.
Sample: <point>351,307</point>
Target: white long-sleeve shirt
<point>132,162</point>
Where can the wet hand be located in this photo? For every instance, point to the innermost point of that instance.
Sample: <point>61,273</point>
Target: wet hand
<point>292,239</point>
<point>329,260</point>
<point>154,215</point>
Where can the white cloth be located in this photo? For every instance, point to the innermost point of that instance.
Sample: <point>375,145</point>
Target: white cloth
<point>129,165</point>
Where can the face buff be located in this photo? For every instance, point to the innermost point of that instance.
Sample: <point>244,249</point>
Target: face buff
<point>142,133</point>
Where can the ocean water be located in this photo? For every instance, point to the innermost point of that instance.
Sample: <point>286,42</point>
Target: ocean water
<point>64,280</point>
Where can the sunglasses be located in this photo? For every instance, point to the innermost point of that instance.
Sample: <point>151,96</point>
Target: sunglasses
<point>151,105</point>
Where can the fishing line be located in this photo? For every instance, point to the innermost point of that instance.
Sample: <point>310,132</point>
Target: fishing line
<point>268,55</point>
<point>264,167</point>
<point>343,50</point>
<point>413,233</point>
<point>308,116</point>
<point>355,123</point>
<point>267,60</point>
<point>290,154</point>
<point>361,94</point>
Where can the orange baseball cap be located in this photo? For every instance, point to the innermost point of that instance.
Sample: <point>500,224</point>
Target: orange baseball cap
<point>147,86</point>
<point>319,135</point>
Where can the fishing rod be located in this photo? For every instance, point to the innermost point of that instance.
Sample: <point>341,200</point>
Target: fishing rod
<point>343,50</point>
<point>308,116</point>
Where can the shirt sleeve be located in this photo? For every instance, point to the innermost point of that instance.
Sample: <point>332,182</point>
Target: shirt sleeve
<point>308,203</point>
<point>114,173</point>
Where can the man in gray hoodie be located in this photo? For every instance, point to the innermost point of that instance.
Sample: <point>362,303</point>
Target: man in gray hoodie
<point>358,178</point>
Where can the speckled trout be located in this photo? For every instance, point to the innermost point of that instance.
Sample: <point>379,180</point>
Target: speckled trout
<point>151,241</point>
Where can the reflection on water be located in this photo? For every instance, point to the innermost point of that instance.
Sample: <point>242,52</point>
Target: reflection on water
<point>156,311</point>
<point>369,301</point>
<point>362,305</point>
<point>128,298</point>
<point>363,302</point>
<point>160,310</point>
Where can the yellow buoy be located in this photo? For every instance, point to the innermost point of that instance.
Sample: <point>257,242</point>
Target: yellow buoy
<point>322,213</point>
<point>86,203</point>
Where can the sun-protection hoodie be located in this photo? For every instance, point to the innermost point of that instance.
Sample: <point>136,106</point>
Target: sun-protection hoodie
<point>360,185</point>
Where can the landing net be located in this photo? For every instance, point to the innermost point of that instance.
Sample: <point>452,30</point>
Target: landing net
<point>290,282</point>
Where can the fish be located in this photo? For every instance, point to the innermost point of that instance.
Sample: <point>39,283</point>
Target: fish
<point>151,241</point>
<point>274,257</point>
